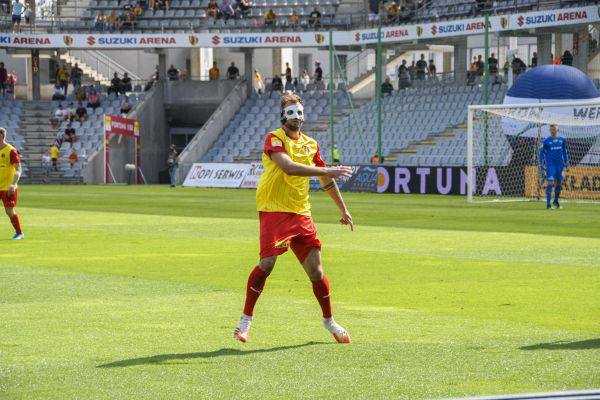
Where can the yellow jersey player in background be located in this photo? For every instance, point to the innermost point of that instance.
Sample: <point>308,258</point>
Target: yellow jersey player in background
<point>10,173</point>
<point>290,158</point>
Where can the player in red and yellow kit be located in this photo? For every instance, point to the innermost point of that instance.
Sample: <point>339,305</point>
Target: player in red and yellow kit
<point>10,172</point>
<point>289,159</point>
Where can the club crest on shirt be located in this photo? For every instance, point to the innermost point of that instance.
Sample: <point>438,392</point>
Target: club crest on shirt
<point>275,142</point>
<point>306,149</point>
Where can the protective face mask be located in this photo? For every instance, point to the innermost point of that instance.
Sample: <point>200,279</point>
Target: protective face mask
<point>294,111</point>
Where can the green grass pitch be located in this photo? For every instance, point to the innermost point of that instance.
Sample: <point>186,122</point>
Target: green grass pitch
<point>133,293</point>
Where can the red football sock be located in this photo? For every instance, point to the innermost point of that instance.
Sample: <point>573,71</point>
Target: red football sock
<point>16,223</point>
<point>321,291</point>
<point>256,283</point>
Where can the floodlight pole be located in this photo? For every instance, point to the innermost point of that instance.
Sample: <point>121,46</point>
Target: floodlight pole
<point>486,81</point>
<point>331,135</point>
<point>378,73</point>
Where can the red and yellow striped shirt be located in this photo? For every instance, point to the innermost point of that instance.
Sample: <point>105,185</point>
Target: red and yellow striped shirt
<point>278,191</point>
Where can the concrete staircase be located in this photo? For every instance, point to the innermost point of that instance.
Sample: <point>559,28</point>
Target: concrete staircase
<point>90,75</point>
<point>39,135</point>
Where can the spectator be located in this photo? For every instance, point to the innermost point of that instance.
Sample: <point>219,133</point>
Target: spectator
<point>127,7</point>
<point>93,100</point>
<point>534,60</point>
<point>393,13</point>
<point>412,70</point>
<point>80,94</point>
<point>54,156</point>
<point>556,60</point>
<point>69,135</point>
<point>233,72</point>
<point>81,112</point>
<point>270,18</point>
<point>213,73</point>
<point>172,163</point>
<point>567,58</point>
<point>125,106</point>
<point>421,68</point>
<point>304,80</point>
<point>243,8</point>
<point>76,74</point>
<point>259,84</point>
<point>124,21</point>
<point>432,70</point>
<point>113,22</point>
<point>472,75</point>
<point>318,74</point>
<point>404,80</point>
<point>386,87</point>
<point>100,23</point>
<point>46,160</point>
<point>288,73</point>
<point>137,10</point>
<point>27,13</point>
<point>480,66</point>
<point>213,9</point>
<point>335,154</point>
<point>314,18</point>
<point>73,157</point>
<point>58,92</point>
<point>152,4</point>
<point>493,65</point>
<point>183,75</point>
<point>115,84</point>
<point>505,68</point>
<point>518,66</point>
<point>70,112</point>
<point>17,10</point>
<point>3,78</point>
<point>294,19</point>
<point>296,85</point>
<point>276,85</point>
<point>173,73</point>
<point>373,11</point>
<point>62,76</point>
<point>225,10</point>
<point>126,85</point>
<point>59,116</point>
<point>11,83</point>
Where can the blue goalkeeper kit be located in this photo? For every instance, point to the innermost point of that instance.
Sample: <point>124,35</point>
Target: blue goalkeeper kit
<point>554,156</point>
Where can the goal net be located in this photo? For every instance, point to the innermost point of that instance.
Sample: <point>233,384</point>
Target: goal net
<point>503,150</point>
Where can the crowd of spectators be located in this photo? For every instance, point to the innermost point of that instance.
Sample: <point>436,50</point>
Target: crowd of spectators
<point>128,17</point>
<point>286,82</point>
<point>19,11</point>
<point>228,9</point>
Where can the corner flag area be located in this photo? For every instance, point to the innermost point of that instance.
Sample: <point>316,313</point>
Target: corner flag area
<point>133,292</point>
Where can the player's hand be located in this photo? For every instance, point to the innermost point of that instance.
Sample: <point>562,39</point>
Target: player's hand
<point>11,191</point>
<point>339,172</point>
<point>347,219</point>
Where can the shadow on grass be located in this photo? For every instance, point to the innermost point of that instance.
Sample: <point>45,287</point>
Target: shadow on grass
<point>159,358</point>
<point>563,345</point>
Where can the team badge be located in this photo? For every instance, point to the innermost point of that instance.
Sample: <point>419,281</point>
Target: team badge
<point>193,40</point>
<point>504,22</point>
<point>68,40</point>
<point>419,31</point>
<point>283,244</point>
<point>319,38</point>
<point>306,149</point>
<point>275,142</point>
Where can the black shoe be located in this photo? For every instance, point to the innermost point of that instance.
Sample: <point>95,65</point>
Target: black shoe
<point>548,207</point>
<point>556,204</point>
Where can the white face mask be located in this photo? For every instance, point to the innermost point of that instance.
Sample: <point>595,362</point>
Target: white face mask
<point>294,111</point>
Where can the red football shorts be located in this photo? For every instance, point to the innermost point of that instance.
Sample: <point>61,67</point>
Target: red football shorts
<point>9,203</point>
<point>281,230</point>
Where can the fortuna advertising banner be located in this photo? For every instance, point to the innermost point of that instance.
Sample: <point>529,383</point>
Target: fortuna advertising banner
<point>392,34</point>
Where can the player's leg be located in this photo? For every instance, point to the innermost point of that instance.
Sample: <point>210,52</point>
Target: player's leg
<point>558,187</point>
<point>10,202</point>
<point>310,258</point>
<point>549,186</point>
<point>254,287</point>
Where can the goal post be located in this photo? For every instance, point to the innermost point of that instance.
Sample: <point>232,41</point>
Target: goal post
<point>503,148</point>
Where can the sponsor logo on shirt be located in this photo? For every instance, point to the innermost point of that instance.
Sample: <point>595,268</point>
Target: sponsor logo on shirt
<point>276,142</point>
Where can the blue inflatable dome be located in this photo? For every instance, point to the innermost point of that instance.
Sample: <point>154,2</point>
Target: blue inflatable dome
<point>554,82</point>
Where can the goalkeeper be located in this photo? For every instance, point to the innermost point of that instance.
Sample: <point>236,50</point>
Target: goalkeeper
<point>554,156</point>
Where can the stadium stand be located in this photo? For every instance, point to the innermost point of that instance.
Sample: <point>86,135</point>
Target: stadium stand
<point>192,15</point>
<point>10,118</point>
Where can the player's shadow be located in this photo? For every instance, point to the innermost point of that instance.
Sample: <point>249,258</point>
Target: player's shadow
<point>161,358</point>
<point>564,345</point>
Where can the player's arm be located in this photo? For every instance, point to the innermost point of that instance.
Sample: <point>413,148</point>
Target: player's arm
<point>16,163</point>
<point>329,185</point>
<point>565,154</point>
<point>291,167</point>
<point>542,157</point>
